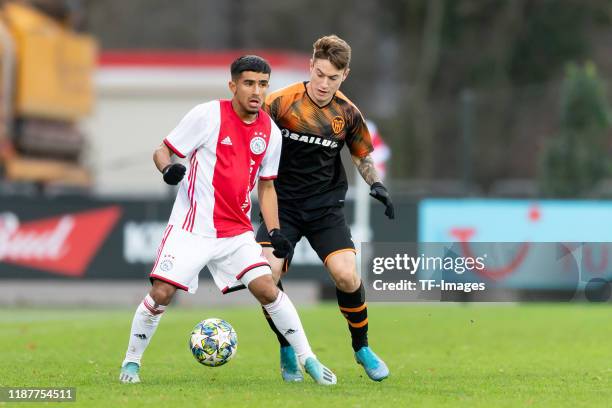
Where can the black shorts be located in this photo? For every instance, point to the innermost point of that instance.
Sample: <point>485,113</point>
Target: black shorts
<point>324,228</point>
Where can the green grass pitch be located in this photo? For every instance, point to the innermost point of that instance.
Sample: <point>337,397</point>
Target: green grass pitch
<point>439,355</point>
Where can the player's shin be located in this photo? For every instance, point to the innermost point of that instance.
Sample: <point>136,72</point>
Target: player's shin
<point>144,324</point>
<point>354,308</point>
<point>286,319</point>
<point>281,339</point>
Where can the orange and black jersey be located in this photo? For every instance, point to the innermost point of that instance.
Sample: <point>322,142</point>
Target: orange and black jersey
<point>310,171</point>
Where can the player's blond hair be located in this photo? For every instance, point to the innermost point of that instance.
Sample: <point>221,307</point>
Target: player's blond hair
<point>334,49</point>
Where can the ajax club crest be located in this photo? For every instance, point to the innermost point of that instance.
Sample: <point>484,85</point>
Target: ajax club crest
<point>258,143</point>
<point>167,263</point>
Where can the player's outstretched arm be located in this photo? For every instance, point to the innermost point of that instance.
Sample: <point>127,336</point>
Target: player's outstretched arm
<point>173,173</point>
<point>269,211</point>
<point>366,168</point>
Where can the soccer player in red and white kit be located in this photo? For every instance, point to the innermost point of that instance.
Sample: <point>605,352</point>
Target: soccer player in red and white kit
<point>230,144</point>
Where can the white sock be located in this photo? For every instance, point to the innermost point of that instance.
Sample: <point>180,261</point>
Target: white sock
<point>286,319</point>
<point>144,324</point>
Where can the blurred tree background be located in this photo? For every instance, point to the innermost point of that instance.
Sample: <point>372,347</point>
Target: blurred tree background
<point>578,158</point>
<point>468,91</point>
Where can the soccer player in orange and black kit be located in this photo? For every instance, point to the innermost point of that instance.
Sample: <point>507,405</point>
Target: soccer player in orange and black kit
<point>316,121</point>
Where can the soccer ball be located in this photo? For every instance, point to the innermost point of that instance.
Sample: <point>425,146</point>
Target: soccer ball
<point>213,342</point>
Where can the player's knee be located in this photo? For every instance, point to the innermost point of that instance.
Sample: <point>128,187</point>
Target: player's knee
<point>347,280</point>
<point>344,273</point>
<point>264,289</point>
<point>268,296</point>
<point>162,292</point>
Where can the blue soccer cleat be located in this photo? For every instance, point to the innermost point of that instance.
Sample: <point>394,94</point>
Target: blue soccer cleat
<point>290,369</point>
<point>321,374</point>
<point>374,367</point>
<point>129,373</point>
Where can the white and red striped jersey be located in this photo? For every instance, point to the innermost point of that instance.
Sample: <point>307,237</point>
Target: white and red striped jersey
<point>225,156</point>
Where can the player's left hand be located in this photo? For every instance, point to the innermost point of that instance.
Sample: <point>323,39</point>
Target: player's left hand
<point>282,246</point>
<point>379,192</point>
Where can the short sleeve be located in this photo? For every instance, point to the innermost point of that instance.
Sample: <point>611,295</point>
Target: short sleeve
<point>358,137</point>
<point>271,106</point>
<point>269,165</point>
<point>193,130</point>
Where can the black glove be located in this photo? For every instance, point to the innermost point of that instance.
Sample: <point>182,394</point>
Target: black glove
<point>174,173</point>
<point>282,246</point>
<point>379,192</point>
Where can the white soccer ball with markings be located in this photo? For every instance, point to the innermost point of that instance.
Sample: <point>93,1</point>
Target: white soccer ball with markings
<point>213,342</point>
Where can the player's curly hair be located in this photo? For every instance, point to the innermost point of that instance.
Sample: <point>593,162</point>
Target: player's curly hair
<point>252,63</point>
<point>334,49</point>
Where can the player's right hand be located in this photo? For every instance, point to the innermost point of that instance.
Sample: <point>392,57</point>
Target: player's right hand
<point>174,173</point>
<point>282,246</point>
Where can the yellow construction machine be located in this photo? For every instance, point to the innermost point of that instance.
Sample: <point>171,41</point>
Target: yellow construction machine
<point>46,89</point>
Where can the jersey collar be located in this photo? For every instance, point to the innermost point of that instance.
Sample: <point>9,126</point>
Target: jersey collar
<point>313,102</point>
